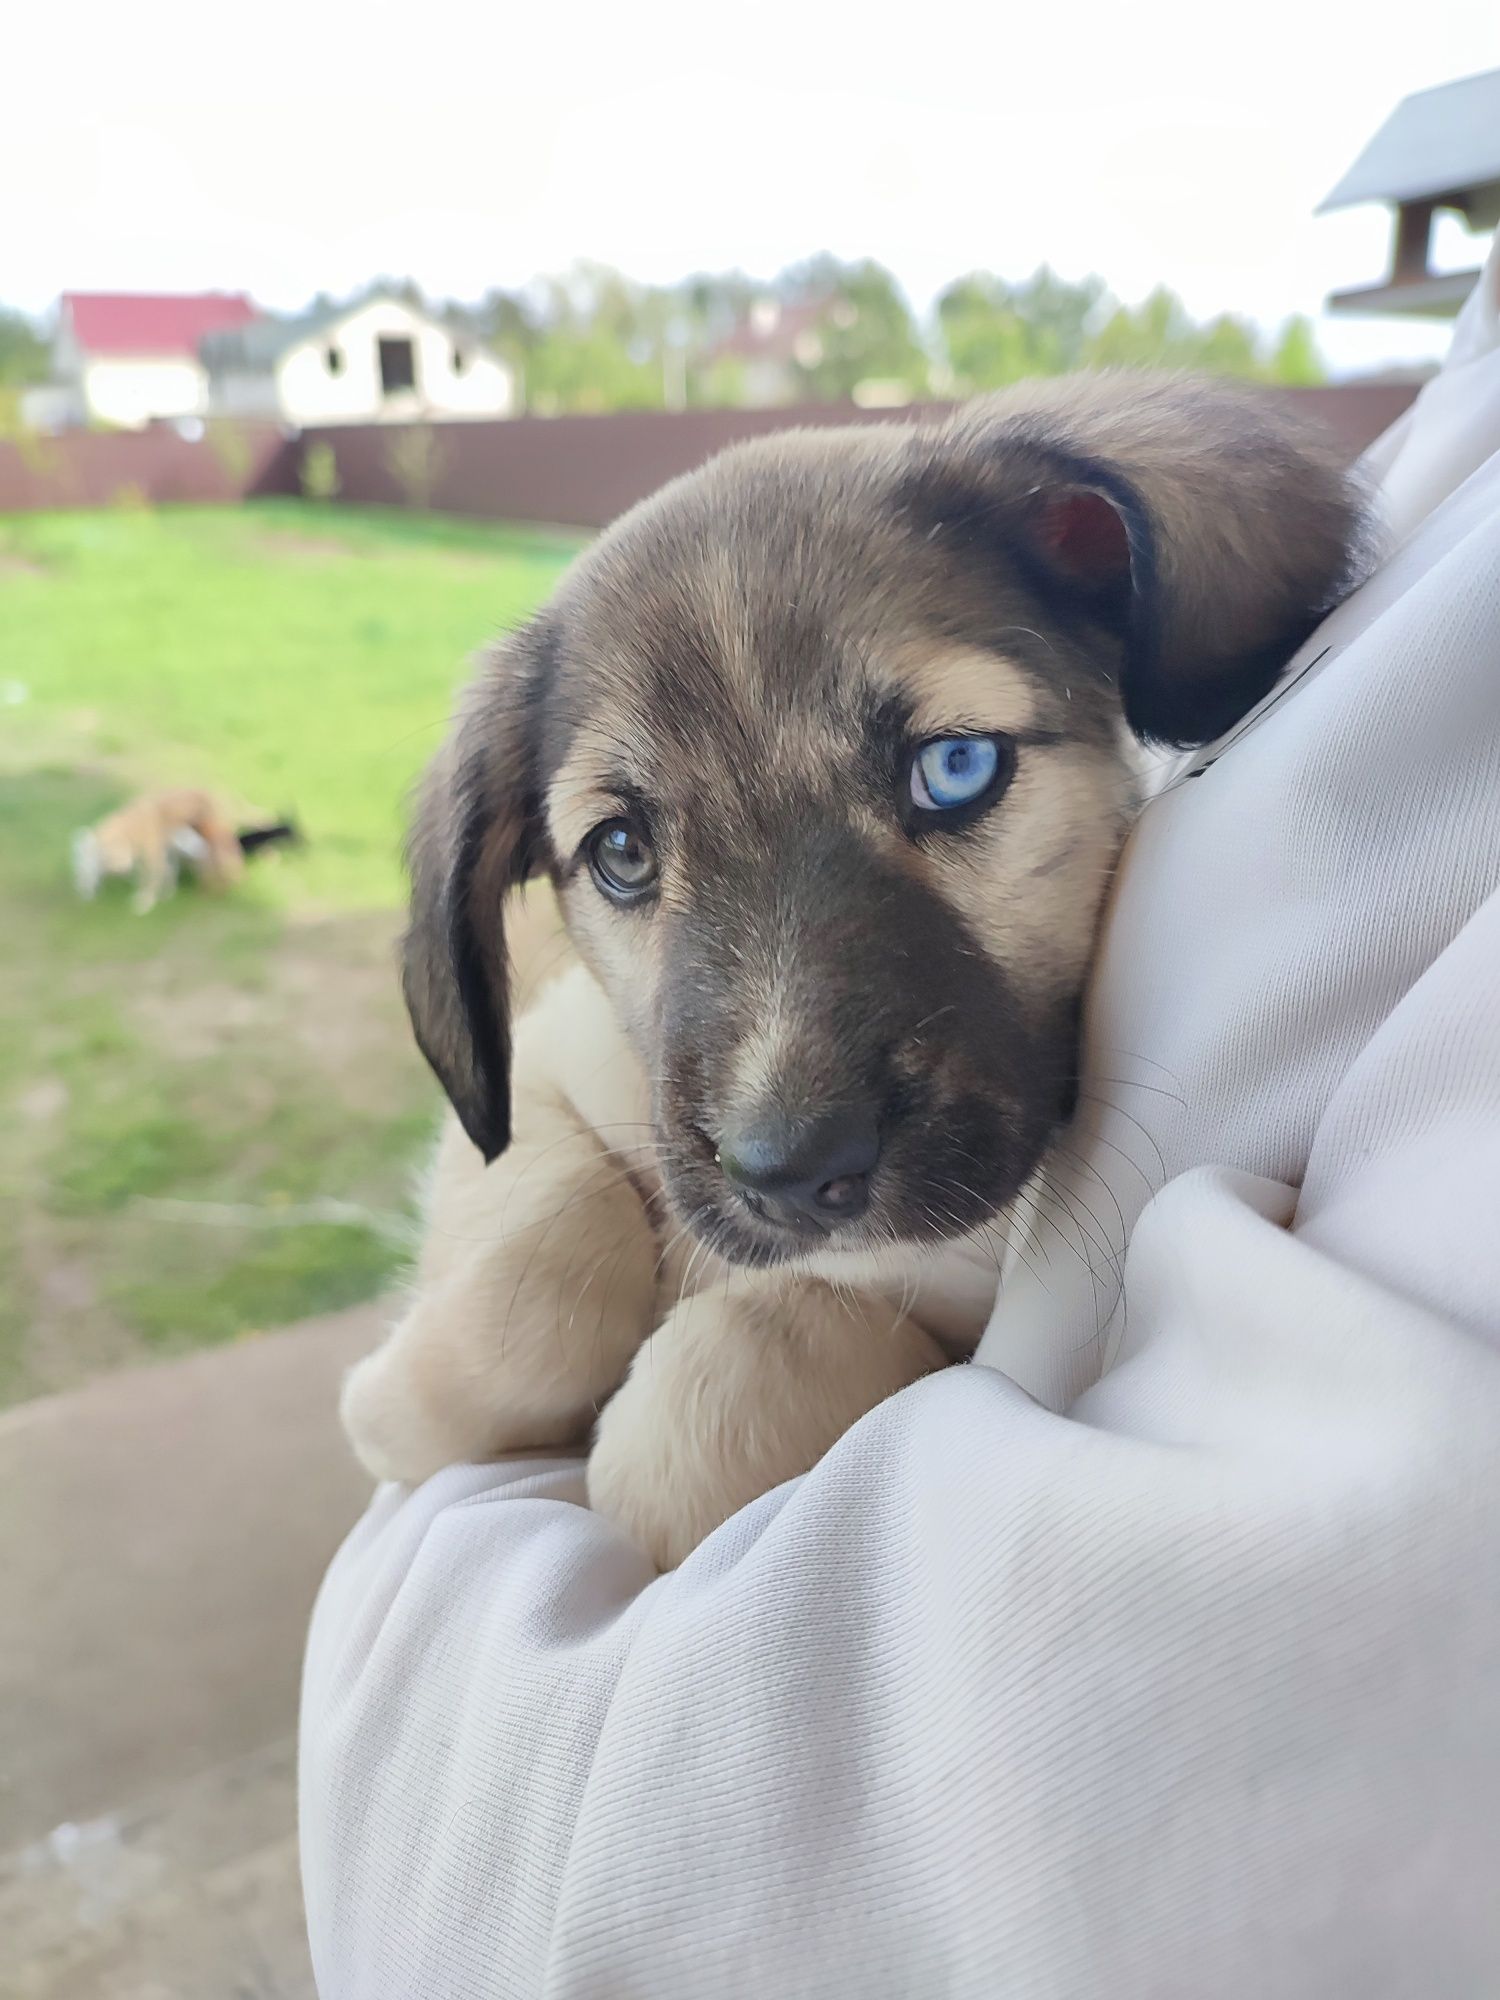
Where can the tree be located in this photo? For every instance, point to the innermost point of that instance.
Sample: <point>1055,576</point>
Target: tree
<point>510,323</point>
<point>864,329</point>
<point>589,369</point>
<point>24,354</point>
<point>597,343</point>
<point>714,303</point>
<point>593,339</point>
<point>1296,360</point>
<point>1154,334</point>
<point>1226,346</point>
<point>1161,333</point>
<point>994,332</point>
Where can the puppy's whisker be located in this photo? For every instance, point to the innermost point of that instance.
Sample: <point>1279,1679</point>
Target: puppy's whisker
<point>1128,1118</point>
<point>1135,1056</point>
<point>1083,1251</point>
<point>1134,1083</point>
<point>990,1232</point>
<point>1096,1239</point>
<point>1095,1138</point>
<point>1120,1237</point>
<point>685,1230</point>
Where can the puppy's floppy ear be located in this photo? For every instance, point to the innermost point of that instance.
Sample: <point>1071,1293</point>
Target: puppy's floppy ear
<point>1202,523</point>
<point>477,834</point>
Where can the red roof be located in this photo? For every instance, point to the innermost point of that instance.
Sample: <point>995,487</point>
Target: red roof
<point>153,322</point>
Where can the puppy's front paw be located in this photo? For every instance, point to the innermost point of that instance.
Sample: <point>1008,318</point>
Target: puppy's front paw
<point>658,1489</point>
<point>704,1422</point>
<point>734,1393</point>
<point>393,1436</point>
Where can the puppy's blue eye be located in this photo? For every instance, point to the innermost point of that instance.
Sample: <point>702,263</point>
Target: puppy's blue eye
<point>953,771</point>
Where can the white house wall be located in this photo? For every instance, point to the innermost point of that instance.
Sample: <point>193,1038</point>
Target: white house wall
<point>308,392</point>
<point>130,392</point>
<point>67,357</point>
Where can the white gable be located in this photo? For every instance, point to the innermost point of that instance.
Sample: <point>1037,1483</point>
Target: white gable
<point>385,362</point>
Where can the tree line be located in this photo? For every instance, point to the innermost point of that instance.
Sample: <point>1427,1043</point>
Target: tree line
<point>823,331</point>
<point>596,340</point>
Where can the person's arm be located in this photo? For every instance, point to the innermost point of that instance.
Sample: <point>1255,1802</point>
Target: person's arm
<point>1197,1691</point>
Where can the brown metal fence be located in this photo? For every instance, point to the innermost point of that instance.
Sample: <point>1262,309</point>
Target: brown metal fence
<point>569,471</point>
<point>159,465</point>
<point>584,471</point>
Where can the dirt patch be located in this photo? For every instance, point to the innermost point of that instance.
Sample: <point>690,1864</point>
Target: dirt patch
<point>328,986</point>
<point>12,563</point>
<point>196,1022</point>
<point>71,1334</point>
<point>43,1102</point>
<point>333,988</point>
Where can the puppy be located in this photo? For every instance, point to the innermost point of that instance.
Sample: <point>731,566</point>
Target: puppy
<point>827,753</point>
<point>150,839</point>
<point>155,835</point>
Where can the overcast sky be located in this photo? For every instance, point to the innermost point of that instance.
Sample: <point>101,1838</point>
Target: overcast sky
<point>286,149</point>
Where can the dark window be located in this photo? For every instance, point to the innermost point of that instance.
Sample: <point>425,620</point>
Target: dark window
<point>398,365</point>
<point>460,361</point>
<point>334,359</point>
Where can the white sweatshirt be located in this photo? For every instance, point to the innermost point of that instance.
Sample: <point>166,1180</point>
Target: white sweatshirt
<point>1193,1690</point>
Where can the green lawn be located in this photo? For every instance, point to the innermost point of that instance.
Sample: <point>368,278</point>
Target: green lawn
<point>209,1115</point>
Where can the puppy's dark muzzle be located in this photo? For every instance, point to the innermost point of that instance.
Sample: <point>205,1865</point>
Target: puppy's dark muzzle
<point>810,1174</point>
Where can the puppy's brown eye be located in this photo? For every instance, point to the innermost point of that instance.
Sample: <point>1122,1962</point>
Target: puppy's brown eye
<point>623,860</point>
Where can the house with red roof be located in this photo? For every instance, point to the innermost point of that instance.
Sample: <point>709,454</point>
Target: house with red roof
<point>127,358</point>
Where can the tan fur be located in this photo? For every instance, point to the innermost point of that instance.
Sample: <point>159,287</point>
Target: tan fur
<point>504,1252</point>
<point>740,1388</point>
<point>547,1281</point>
<point>949,688</point>
<point>1066,813</point>
<point>719,649</point>
<point>140,840</point>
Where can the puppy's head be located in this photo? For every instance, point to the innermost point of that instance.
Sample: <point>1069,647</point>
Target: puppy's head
<point>88,862</point>
<point>823,749</point>
<point>102,851</point>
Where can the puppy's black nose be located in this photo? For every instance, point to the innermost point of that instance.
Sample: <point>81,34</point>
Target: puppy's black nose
<point>803,1171</point>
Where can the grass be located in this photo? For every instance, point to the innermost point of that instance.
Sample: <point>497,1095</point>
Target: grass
<point>209,1116</point>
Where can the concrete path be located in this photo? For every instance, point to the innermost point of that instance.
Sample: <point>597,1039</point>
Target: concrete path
<point>162,1534</point>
